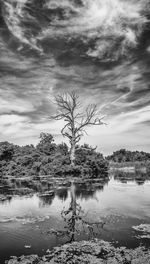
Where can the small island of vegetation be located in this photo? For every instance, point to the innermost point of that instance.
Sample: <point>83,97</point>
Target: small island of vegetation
<point>23,169</point>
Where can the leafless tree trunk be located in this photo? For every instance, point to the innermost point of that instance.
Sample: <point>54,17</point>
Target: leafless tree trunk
<point>72,153</point>
<point>76,119</point>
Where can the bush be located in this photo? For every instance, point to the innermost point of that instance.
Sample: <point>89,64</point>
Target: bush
<point>47,158</point>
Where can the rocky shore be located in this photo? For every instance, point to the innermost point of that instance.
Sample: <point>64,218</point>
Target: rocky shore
<point>87,252</point>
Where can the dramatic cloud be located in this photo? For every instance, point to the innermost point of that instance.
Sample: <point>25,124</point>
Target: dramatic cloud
<point>106,29</point>
<point>12,104</point>
<point>99,48</point>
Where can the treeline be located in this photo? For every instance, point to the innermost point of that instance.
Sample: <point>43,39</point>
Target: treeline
<point>124,155</point>
<point>49,158</point>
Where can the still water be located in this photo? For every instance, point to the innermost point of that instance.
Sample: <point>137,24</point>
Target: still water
<point>25,221</point>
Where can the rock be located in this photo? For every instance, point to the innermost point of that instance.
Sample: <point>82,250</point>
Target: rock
<point>24,260</point>
<point>88,252</point>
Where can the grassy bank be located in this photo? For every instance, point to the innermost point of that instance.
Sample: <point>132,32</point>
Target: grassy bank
<point>125,171</point>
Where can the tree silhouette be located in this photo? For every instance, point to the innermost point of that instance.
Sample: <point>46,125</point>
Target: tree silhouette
<point>76,118</point>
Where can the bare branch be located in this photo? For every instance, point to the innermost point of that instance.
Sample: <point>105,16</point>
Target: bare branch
<point>89,119</point>
<point>75,121</point>
<point>63,129</point>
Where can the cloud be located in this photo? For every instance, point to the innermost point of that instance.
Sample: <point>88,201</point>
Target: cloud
<point>131,119</point>
<point>107,29</point>
<point>12,125</point>
<point>20,130</point>
<point>6,120</point>
<point>15,105</point>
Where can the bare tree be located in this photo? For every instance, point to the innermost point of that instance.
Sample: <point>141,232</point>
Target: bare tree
<point>76,118</point>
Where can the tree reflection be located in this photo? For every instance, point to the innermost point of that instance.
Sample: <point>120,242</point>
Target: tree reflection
<point>62,194</point>
<point>74,218</point>
<point>46,199</point>
<point>140,181</point>
<point>87,190</point>
<point>139,177</point>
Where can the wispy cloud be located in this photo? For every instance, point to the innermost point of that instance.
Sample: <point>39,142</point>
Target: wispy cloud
<point>29,80</point>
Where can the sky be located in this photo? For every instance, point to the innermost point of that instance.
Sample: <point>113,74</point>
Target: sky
<point>98,48</point>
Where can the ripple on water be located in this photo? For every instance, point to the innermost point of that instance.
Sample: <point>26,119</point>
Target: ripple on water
<point>25,220</point>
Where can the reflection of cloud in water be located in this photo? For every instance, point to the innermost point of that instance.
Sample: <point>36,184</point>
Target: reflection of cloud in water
<point>25,220</point>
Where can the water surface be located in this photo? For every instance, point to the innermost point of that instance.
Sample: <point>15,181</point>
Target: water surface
<point>24,221</point>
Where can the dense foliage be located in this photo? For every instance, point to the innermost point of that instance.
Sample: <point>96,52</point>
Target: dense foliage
<point>124,155</point>
<point>49,158</point>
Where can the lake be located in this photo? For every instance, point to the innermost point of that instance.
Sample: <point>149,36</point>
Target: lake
<point>124,206</point>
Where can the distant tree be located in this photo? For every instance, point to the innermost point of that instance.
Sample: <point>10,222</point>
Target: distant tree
<point>91,161</point>
<point>63,149</point>
<point>124,155</point>
<point>6,151</point>
<point>24,150</point>
<point>46,144</point>
<point>76,119</point>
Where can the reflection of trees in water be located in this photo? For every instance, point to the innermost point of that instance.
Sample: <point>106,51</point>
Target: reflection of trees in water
<point>46,199</point>
<point>75,219</point>
<point>140,182</point>
<point>62,193</point>
<point>82,190</point>
<point>87,190</point>
<point>139,177</point>
<point>5,198</point>
<point>5,194</point>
